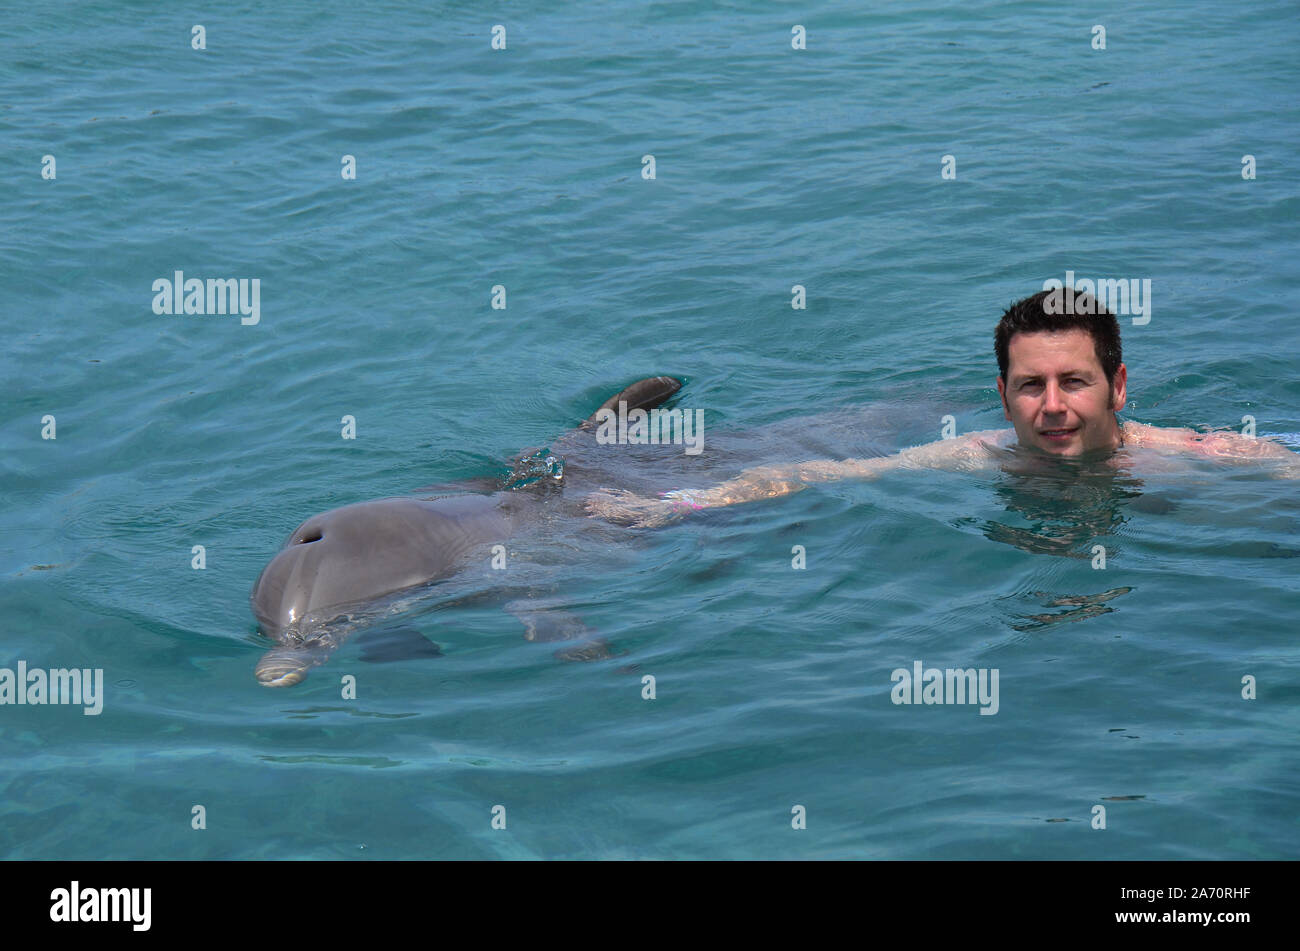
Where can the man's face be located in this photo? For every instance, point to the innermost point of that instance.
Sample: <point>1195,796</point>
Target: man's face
<point>1056,394</point>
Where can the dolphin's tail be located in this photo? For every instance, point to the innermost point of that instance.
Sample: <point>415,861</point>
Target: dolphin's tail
<point>643,394</point>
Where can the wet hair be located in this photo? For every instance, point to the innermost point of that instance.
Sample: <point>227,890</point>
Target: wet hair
<point>1032,315</point>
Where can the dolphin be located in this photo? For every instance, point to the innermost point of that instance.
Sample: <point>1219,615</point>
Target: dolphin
<point>339,565</point>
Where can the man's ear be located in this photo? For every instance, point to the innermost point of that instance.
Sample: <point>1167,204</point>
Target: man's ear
<point>1002,392</point>
<point>1119,394</point>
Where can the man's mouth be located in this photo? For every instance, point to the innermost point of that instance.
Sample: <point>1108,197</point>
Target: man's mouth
<point>1058,435</point>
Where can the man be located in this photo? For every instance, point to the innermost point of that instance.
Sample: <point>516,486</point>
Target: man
<point>1061,383</point>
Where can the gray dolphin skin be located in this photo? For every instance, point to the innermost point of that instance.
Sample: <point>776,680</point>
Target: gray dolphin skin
<point>347,558</point>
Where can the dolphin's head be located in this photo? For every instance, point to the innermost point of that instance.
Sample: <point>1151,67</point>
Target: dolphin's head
<point>282,595</point>
<point>282,599</point>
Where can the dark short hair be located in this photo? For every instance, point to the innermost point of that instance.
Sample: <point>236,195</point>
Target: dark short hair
<point>1032,315</point>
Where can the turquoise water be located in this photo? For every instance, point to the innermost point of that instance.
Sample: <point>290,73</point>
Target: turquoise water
<point>523,167</point>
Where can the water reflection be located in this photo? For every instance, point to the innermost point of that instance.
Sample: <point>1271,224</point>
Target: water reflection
<point>1063,506</point>
<point>1083,606</point>
<point>1068,507</point>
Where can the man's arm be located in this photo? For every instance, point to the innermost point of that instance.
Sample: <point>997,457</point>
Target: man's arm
<point>766,482</point>
<point>1227,445</point>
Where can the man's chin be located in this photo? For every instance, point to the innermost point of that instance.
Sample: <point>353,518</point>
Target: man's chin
<point>1069,446</point>
<point>1072,448</point>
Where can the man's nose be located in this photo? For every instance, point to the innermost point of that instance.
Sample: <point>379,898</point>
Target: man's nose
<point>1053,399</point>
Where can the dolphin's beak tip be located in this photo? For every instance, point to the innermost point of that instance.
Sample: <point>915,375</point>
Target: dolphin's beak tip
<point>272,678</point>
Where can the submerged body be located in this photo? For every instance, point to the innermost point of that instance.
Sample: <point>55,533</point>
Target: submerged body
<point>1154,449</point>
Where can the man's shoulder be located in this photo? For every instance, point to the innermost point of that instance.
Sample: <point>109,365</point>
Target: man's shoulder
<point>1146,436</point>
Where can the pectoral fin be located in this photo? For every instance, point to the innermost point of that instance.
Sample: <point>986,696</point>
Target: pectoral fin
<point>545,622</point>
<point>384,645</point>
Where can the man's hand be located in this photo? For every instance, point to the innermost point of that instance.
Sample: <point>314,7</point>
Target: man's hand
<point>628,508</point>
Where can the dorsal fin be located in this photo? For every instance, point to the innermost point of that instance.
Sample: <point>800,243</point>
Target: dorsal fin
<point>643,394</point>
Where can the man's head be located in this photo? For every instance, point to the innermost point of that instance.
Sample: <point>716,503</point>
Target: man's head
<point>1059,374</point>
